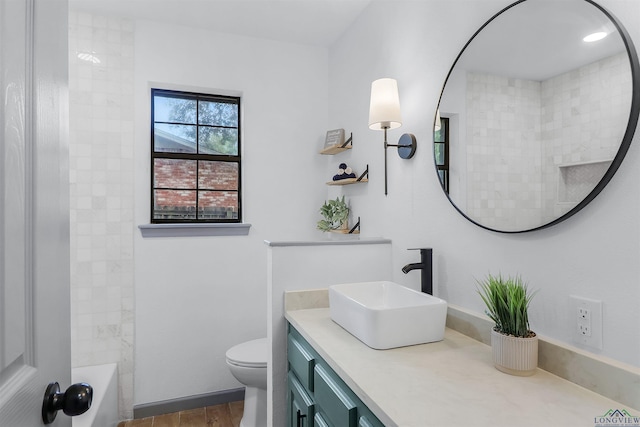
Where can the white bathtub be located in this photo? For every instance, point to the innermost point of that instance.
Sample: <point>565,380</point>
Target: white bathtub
<point>104,408</point>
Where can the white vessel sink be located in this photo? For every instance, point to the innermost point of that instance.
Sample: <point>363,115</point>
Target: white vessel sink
<point>387,315</point>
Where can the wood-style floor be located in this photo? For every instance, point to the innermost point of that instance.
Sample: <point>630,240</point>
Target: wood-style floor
<point>225,415</point>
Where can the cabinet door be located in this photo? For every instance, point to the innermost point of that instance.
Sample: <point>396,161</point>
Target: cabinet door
<point>333,399</point>
<point>365,421</point>
<point>301,406</point>
<point>320,421</point>
<point>301,360</point>
<point>366,417</point>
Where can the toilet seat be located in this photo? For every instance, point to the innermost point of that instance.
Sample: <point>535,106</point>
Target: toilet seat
<point>250,354</point>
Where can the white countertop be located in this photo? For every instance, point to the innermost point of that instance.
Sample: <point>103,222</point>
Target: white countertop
<point>448,383</point>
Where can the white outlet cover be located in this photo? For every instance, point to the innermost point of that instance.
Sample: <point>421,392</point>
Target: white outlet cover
<point>594,321</point>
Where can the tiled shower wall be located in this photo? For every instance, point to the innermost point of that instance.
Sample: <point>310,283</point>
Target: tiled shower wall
<point>573,119</point>
<point>101,178</point>
<point>503,135</point>
<point>585,116</point>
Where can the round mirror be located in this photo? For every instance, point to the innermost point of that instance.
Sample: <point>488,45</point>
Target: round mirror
<point>534,118</point>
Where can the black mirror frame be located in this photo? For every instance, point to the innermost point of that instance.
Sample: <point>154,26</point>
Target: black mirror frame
<point>626,139</point>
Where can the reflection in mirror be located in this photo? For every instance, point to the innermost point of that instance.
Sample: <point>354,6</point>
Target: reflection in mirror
<point>534,120</point>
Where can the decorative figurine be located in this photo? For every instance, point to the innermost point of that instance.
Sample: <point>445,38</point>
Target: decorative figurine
<point>344,172</point>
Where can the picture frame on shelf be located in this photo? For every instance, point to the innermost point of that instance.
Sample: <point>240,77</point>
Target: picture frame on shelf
<point>334,137</point>
<point>335,142</point>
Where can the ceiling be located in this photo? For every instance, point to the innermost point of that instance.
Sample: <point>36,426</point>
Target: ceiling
<point>322,22</point>
<point>537,40</point>
<point>312,22</point>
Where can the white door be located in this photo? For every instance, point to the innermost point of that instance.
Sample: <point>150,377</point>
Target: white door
<point>34,209</point>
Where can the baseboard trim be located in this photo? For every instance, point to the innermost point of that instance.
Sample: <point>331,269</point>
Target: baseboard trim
<point>188,402</point>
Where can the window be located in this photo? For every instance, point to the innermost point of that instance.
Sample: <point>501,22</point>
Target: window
<point>195,158</point>
<point>441,151</point>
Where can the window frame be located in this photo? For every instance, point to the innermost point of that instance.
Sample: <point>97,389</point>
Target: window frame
<point>444,178</point>
<point>197,156</point>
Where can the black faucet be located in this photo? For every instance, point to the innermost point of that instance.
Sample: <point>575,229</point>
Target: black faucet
<point>425,264</point>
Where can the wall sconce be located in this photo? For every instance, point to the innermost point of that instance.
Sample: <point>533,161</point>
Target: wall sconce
<point>384,113</point>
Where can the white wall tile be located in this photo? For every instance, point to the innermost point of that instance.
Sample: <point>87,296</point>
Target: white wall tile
<point>528,119</point>
<point>101,234</point>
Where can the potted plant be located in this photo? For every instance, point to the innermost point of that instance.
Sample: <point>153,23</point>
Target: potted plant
<point>513,343</point>
<point>335,214</point>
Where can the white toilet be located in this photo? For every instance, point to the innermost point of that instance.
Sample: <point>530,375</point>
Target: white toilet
<point>248,363</point>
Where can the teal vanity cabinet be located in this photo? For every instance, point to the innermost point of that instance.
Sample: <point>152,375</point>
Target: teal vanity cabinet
<point>299,403</point>
<point>316,396</point>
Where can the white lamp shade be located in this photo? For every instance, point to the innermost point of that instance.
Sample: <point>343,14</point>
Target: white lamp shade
<point>384,109</point>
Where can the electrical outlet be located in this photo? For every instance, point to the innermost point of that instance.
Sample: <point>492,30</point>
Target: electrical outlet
<point>584,313</point>
<point>587,320</point>
<point>584,329</point>
<point>583,321</point>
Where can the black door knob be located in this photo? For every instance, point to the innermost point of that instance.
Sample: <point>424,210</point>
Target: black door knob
<point>75,400</point>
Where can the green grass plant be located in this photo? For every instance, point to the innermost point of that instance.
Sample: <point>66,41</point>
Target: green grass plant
<point>507,302</point>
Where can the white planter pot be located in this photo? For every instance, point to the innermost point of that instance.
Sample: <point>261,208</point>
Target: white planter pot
<point>515,356</point>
